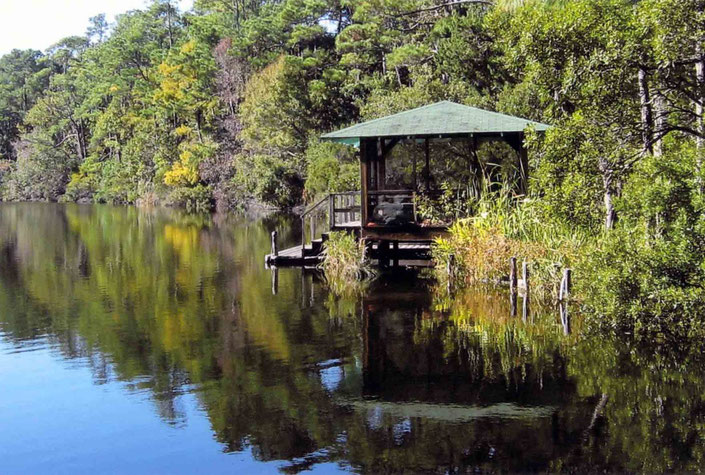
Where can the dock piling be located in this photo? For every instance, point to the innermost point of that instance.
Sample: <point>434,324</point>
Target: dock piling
<point>275,247</point>
<point>527,292</point>
<point>563,298</point>
<point>513,286</point>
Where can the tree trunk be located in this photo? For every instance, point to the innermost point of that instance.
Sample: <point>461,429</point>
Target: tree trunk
<point>609,188</point>
<point>659,123</point>
<point>700,128</point>
<point>610,213</point>
<point>647,121</point>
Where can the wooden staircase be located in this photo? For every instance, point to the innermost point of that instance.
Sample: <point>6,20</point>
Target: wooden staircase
<point>341,212</point>
<point>315,247</point>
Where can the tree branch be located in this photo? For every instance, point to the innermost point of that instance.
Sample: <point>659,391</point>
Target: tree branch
<point>449,4</point>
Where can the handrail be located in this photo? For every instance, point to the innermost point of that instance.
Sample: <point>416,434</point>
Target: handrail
<point>328,199</point>
<point>312,208</point>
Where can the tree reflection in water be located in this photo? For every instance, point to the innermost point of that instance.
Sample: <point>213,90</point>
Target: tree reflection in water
<point>396,379</point>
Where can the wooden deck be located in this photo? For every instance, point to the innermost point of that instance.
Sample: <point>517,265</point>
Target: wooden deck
<point>386,253</point>
<point>293,257</point>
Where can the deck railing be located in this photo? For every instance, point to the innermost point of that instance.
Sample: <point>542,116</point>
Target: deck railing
<point>333,211</point>
<point>343,210</point>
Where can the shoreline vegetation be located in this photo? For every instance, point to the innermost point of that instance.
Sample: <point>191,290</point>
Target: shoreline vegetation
<point>220,107</point>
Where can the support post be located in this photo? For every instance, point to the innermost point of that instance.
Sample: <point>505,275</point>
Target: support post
<point>275,248</point>
<point>382,165</point>
<point>331,211</point>
<point>513,275</point>
<point>312,224</point>
<point>566,284</point>
<point>346,200</point>
<point>368,149</point>
<point>527,291</point>
<point>513,286</point>
<point>303,235</point>
<point>563,297</point>
<point>427,169</point>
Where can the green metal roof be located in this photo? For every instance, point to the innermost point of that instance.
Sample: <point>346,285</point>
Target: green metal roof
<point>443,118</point>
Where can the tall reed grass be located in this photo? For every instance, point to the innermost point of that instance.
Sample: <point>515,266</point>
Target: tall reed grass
<point>503,227</point>
<point>344,264</point>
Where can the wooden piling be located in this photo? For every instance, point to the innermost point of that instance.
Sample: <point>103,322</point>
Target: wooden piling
<point>275,247</point>
<point>563,299</point>
<point>527,290</point>
<point>513,286</point>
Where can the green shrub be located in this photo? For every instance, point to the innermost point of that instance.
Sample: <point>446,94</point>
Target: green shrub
<point>197,199</point>
<point>270,180</point>
<point>648,275</point>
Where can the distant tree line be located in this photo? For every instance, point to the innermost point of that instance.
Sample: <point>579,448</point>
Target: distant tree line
<point>222,105</point>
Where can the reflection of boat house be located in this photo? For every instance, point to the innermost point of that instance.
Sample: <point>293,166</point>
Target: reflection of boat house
<point>404,160</point>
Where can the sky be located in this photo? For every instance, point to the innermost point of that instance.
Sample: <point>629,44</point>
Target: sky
<point>38,24</point>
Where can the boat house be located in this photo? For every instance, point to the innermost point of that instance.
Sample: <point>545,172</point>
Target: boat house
<point>410,162</point>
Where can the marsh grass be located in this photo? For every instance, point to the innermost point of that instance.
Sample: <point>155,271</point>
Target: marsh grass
<point>346,270</point>
<point>506,227</point>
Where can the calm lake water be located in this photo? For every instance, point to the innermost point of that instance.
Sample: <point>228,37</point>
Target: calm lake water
<point>143,341</point>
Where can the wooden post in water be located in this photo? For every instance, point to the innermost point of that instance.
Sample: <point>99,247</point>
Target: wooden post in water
<point>527,293</point>
<point>513,286</point>
<point>563,298</point>
<point>275,248</point>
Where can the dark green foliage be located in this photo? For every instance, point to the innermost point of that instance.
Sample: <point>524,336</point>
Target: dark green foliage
<point>647,275</point>
<point>331,167</point>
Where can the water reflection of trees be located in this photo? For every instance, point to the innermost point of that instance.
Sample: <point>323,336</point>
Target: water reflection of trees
<point>171,303</point>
